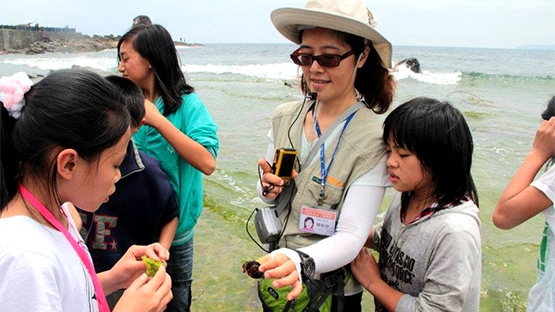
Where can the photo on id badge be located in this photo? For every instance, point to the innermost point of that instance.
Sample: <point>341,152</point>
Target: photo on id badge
<point>317,221</point>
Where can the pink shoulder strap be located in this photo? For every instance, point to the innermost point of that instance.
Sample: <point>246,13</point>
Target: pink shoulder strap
<point>83,254</point>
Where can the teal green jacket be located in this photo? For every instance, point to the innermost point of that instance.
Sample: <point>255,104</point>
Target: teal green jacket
<point>193,119</point>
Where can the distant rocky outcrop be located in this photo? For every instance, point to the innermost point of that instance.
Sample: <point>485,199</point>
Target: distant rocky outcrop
<point>37,39</point>
<point>76,45</point>
<point>83,44</point>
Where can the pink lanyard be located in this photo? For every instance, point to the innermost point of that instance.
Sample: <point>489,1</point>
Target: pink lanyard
<point>84,255</point>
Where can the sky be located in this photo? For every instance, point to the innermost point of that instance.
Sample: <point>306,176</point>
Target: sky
<point>445,23</point>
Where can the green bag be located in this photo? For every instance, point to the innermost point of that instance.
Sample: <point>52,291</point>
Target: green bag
<point>316,295</point>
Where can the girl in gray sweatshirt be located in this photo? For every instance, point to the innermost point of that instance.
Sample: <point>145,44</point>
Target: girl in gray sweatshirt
<point>429,241</point>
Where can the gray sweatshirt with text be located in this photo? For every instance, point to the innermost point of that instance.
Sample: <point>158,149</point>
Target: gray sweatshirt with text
<point>436,261</point>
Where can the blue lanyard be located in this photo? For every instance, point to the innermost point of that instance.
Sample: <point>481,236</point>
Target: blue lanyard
<point>323,170</point>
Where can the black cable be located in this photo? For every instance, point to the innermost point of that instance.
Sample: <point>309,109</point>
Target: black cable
<point>266,189</point>
<point>313,99</point>
<point>249,233</point>
<point>270,186</point>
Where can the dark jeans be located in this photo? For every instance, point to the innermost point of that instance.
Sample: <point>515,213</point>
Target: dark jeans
<point>113,298</point>
<point>353,303</point>
<point>180,269</point>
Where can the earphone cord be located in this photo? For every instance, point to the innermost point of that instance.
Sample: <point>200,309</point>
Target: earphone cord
<point>297,117</point>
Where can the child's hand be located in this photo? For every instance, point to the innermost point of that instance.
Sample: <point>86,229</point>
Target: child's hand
<point>146,294</point>
<point>152,114</point>
<point>544,142</point>
<point>131,266</point>
<point>365,269</point>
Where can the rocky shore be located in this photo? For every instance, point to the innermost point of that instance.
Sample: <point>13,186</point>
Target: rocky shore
<point>83,44</point>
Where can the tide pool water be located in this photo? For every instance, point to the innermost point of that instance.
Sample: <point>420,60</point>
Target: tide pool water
<point>500,91</point>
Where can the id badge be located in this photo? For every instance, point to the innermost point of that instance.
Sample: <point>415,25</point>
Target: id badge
<point>317,221</point>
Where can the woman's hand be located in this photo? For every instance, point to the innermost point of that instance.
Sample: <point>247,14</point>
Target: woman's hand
<point>147,294</point>
<point>284,271</point>
<point>131,266</point>
<point>272,185</point>
<point>365,269</point>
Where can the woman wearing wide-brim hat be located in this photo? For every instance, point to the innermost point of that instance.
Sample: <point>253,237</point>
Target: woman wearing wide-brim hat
<point>344,63</point>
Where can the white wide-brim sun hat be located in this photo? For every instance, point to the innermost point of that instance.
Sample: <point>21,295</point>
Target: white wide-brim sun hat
<point>348,16</point>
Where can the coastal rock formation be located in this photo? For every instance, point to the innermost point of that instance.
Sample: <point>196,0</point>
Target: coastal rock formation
<point>83,44</point>
<point>76,45</point>
<point>411,63</point>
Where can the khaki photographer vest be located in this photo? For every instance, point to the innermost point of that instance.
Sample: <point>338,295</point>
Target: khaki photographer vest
<point>360,149</point>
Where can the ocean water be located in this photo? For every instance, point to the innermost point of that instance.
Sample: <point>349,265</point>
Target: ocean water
<point>500,91</point>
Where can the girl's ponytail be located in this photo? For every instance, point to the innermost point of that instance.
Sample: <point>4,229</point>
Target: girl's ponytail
<point>12,92</point>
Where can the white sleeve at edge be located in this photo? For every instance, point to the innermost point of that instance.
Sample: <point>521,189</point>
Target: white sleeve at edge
<point>269,158</point>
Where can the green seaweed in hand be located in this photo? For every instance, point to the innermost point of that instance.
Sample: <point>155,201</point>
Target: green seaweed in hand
<point>151,265</point>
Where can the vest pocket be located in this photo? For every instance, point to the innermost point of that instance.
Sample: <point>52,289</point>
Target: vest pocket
<point>332,193</point>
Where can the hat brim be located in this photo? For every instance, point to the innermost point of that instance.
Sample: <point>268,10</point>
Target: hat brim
<point>287,21</point>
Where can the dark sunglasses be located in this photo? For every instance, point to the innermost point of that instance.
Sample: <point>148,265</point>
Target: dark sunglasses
<point>326,60</point>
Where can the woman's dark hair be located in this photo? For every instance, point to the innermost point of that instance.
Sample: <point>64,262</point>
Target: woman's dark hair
<point>373,81</point>
<point>131,96</point>
<point>549,110</point>
<point>74,109</point>
<point>437,133</point>
<point>155,44</point>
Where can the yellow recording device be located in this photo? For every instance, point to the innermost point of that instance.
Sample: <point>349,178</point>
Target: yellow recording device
<point>284,162</point>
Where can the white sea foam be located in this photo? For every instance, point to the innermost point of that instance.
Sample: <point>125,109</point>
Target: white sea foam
<point>403,72</point>
<point>47,62</point>
<point>269,71</point>
<point>185,47</point>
